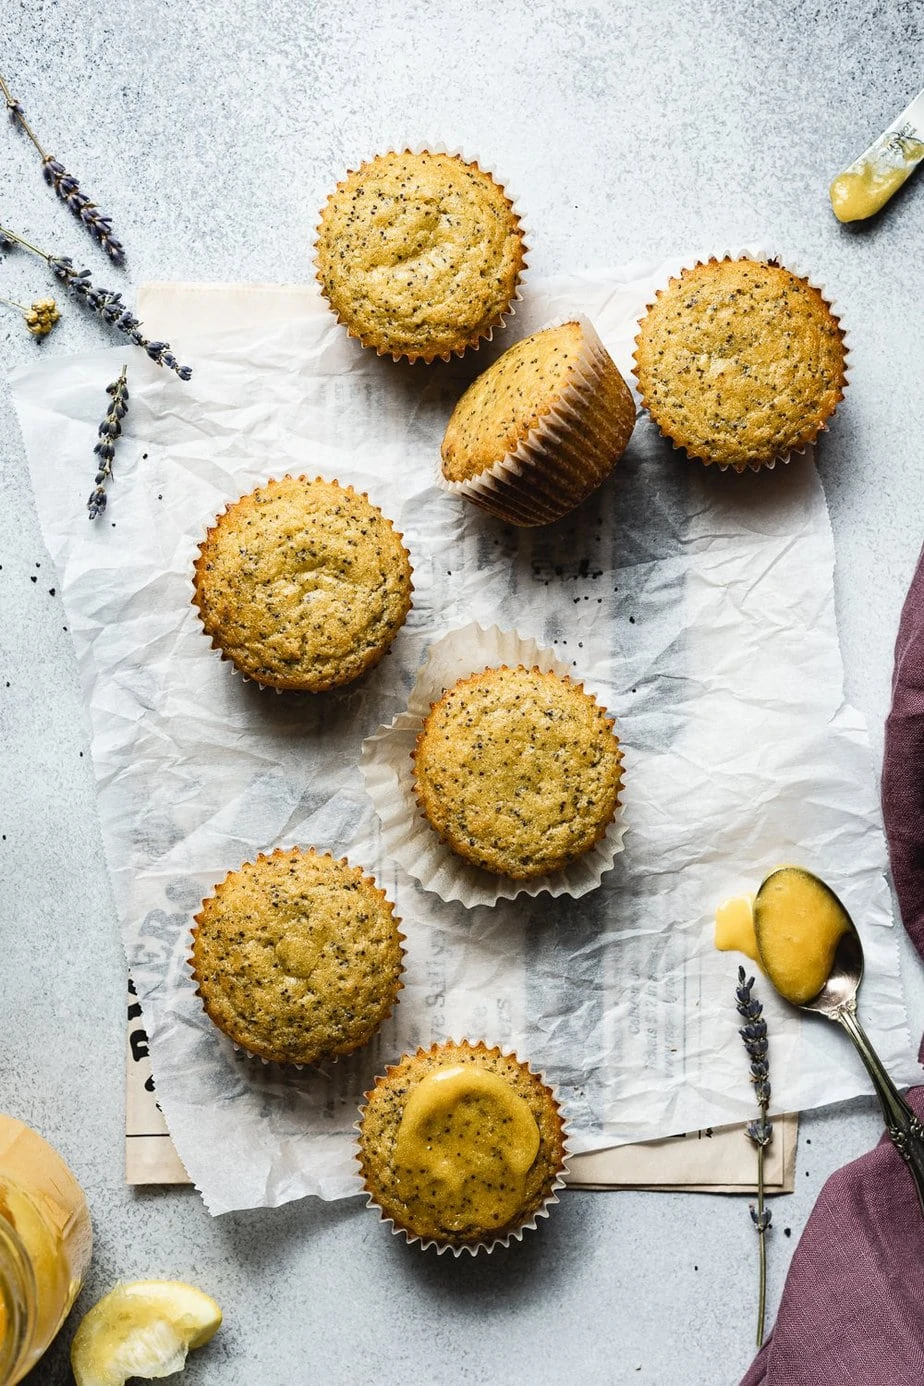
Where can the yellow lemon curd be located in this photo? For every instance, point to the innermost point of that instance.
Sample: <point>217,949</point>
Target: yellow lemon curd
<point>791,929</point>
<point>864,188</point>
<point>468,1140</point>
<point>734,927</point>
<point>799,922</point>
<point>44,1206</point>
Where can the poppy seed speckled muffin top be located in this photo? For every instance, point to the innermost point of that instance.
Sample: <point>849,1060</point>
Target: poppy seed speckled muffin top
<point>302,584</point>
<point>419,255</point>
<point>297,957</point>
<point>461,1146</point>
<point>740,362</point>
<point>541,428</point>
<point>518,771</point>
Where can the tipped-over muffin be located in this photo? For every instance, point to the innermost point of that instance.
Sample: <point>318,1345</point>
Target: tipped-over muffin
<point>419,255</point>
<point>297,957</point>
<point>541,428</point>
<point>302,584</point>
<point>461,1146</point>
<point>740,362</point>
<point>518,771</point>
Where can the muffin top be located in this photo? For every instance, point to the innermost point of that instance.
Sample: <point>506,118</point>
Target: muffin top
<point>419,254</point>
<point>297,957</point>
<point>302,584</point>
<point>740,361</point>
<point>518,770</point>
<point>460,1144</point>
<point>506,402</point>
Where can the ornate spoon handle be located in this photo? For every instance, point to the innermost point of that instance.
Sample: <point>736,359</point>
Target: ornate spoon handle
<point>904,1128</point>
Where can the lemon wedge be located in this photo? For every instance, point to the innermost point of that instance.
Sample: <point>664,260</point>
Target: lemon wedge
<point>144,1328</point>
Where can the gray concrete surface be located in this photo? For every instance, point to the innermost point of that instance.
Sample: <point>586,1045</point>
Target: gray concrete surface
<point>212,132</point>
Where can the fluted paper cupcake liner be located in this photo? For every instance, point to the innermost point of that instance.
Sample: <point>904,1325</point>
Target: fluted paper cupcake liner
<point>487,333</point>
<point>387,769</point>
<point>568,452</point>
<point>767,257</point>
<point>488,1244</point>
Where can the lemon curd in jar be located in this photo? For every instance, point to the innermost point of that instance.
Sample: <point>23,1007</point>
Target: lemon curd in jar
<point>45,1242</point>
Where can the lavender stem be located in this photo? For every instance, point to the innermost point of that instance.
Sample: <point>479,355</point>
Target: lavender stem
<point>104,302</point>
<point>66,185</point>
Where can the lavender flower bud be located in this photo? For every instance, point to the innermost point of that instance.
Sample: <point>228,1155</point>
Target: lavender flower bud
<point>109,432</point>
<point>754,1035</point>
<point>760,1220</point>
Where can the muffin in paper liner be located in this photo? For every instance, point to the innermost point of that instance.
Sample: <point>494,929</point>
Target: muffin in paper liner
<point>297,957</point>
<point>440,1105</point>
<point>518,770</point>
<point>541,428</point>
<point>386,763</point>
<point>779,422</point>
<point>429,306</point>
<point>299,606</point>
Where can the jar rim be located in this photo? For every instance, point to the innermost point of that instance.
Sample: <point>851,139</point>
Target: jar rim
<point>18,1295</point>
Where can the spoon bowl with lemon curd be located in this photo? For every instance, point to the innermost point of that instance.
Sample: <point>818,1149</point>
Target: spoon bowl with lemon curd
<point>810,949</point>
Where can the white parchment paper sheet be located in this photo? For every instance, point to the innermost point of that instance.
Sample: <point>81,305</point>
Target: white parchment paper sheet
<point>698,607</point>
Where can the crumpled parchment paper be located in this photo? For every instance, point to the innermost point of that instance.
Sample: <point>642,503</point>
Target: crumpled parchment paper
<point>698,606</point>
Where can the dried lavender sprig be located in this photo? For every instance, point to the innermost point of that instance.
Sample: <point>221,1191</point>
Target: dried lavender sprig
<point>104,302</point>
<point>110,430</point>
<point>754,1034</point>
<point>66,185</point>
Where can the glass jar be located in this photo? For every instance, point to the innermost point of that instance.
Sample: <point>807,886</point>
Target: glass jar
<point>45,1243</point>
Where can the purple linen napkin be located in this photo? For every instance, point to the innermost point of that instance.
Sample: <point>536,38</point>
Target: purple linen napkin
<point>852,1312</point>
<point>903,763</point>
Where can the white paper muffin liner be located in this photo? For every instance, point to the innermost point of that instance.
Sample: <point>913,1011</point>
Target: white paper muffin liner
<point>491,1244</point>
<point>568,453</point>
<point>240,1050</point>
<point>217,650</point>
<point>788,263</point>
<point>467,157</point>
<point>387,768</point>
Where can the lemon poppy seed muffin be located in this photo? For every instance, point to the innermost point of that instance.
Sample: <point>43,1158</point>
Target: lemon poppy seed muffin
<point>297,956</point>
<point>461,1146</point>
<point>541,428</point>
<point>740,362</point>
<point>419,255</point>
<point>302,584</point>
<point>518,771</point>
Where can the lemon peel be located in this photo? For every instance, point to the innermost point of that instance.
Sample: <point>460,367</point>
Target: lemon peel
<point>144,1328</point>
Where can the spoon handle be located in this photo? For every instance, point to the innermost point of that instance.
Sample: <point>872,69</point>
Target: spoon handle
<point>904,1128</point>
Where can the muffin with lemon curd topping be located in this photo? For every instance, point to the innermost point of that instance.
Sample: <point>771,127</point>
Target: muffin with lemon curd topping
<point>297,957</point>
<point>740,362</point>
<point>541,428</point>
<point>518,771</point>
<point>419,254</point>
<point>302,584</point>
<point>461,1146</point>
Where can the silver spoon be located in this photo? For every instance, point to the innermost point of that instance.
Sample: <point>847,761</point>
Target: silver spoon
<point>838,1001</point>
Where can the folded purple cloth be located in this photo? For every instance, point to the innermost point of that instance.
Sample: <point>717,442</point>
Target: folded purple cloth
<point>903,763</point>
<point>852,1312</point>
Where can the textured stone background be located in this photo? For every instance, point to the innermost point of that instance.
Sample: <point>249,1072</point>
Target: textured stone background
<point>212,132</point>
